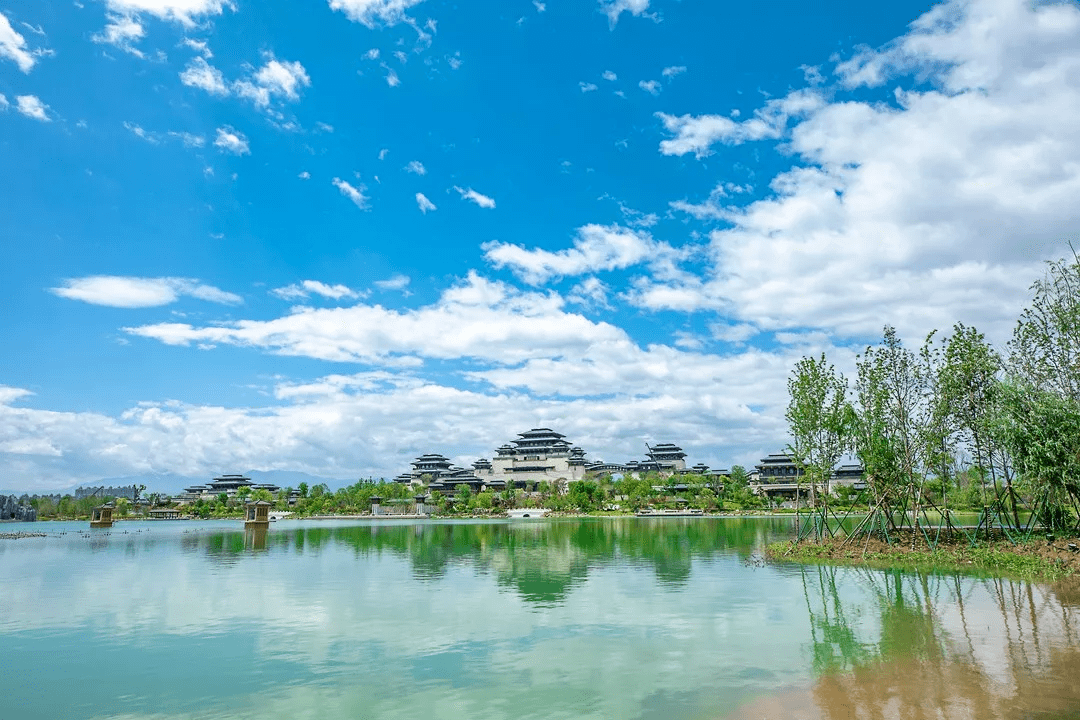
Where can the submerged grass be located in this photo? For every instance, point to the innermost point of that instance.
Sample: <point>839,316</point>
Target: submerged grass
<point>1035,560</point>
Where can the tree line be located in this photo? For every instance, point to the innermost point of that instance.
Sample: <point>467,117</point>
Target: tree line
<point>955,417</point>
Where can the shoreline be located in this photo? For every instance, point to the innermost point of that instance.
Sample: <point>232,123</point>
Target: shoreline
<point>1033,560</point>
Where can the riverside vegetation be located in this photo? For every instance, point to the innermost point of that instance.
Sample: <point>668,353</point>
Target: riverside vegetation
<point>956,423</point>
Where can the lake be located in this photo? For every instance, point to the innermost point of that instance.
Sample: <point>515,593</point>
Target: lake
<point>576,618</point>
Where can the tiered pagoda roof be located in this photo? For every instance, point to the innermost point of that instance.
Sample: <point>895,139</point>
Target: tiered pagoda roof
<point>540,441</point>
<point>665,451</point>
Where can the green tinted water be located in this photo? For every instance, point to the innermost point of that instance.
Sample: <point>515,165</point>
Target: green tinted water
<point>602,618</point>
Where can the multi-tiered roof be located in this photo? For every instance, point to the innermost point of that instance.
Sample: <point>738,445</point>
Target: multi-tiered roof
<point>540,441</point>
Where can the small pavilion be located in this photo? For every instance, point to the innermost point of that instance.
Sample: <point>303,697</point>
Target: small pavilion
<point>101,516</point>
<point>257,515</point>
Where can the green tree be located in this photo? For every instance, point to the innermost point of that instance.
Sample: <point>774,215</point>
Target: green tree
<point>1044,352</point>
<point>820,420</point>
<point>303,488</point>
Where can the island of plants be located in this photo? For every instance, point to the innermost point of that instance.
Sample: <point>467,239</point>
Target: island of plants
<point>955,423</point>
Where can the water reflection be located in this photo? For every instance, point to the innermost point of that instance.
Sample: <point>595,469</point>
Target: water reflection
<point>567,619</point>
<point>543,561</point>
<point>929,646</point>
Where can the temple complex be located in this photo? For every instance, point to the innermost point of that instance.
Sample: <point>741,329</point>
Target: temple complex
<point>780,478</point>
<point>540,455</point>
<point>230,485</point>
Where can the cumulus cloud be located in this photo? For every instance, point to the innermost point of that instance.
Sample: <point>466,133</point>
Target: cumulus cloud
<point>201,74</point>
<point>314,287</point>
<point>374,12</point>
<point>356,194</point>
<point>275,80</point>
<point>13,46</point>
<point>697,134</point>
<point>416,167</point>
<point>935,209</point>
<point>136,292</point>
<point>490,320</point>
<point>609,76</point>
<point>424,204</point>
<point>614,8</point>
<point>474,197</point>
<point>231,141</point>
<point>32,107</point>
<point>596,247</point>
<point>673,70</point>
<point>587,87</point>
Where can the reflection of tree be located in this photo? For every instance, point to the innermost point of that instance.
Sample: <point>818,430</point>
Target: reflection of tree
<point>1008,664</point>
<point>542,561</point>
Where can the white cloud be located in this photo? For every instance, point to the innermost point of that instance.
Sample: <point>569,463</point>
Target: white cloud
<point>232,141</point>
<point>356,194</point>
<point>672,71</point>
<point>203,75</point>
<point>392,78</point>
<point>198,46</point>
<point>4,104</point>
<point>310,287</point>
<point>189,140</point>
<point>596,247</point>
<point>540,7</point>
<point>372,54</point>
<point>136,292</point>
<point>281,80</point>
<point>374,12</point>
<point>650,86</point>
<point>121,31</point>
<point>416,167</point>
<point>699,134</point>
<point>490,320</point>
<point>933,209</point>
<point>304,175</point>
<point>13,46</point>
<point>590,292</point>
<point>32,107</point>
<point>397,282</point>
<point>185,12</point>
<point>609,76</point>
<point>614,8</point>
<point>424,204</point>
<point>472,196</point>
<point>587,87</point>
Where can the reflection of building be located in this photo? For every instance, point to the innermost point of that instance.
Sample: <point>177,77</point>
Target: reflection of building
<point>539,455</point>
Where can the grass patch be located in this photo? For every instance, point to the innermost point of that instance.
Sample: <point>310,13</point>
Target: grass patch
<point>1036,560</point>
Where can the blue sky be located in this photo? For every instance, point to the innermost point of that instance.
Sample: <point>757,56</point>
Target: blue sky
<point>332,236</point>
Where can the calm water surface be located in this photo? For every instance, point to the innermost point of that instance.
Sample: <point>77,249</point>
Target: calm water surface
<point>596,618</point>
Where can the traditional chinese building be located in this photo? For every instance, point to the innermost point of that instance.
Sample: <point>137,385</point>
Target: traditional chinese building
<point>230,485</point>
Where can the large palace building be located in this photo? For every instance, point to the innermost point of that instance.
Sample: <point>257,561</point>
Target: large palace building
<point>539,455</point>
